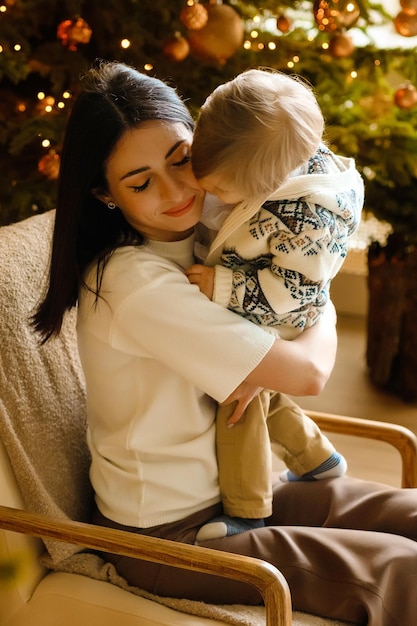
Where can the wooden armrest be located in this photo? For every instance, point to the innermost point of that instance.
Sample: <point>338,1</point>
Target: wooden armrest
<point>403,439</point>
<point>264,576</point>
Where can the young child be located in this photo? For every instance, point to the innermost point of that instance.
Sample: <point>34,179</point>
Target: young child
<point>281,235</point>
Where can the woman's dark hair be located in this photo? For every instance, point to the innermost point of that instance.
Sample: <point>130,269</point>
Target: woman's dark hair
<point>114,98</point>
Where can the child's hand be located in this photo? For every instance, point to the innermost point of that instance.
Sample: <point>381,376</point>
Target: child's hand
<point>203,277</point>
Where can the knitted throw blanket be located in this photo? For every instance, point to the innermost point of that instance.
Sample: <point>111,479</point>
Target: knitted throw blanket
<point>42,397</point>
<point>43,418</point>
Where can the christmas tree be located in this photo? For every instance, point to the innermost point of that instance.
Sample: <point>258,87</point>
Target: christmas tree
<point>367,93</point>
<point>366,88</point>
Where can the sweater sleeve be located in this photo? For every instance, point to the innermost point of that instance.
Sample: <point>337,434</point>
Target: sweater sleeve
<point>306,250</point>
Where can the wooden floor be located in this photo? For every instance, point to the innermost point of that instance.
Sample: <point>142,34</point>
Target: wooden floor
<point>350,392</point>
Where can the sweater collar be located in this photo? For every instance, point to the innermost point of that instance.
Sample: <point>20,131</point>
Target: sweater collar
<point>180,252</point>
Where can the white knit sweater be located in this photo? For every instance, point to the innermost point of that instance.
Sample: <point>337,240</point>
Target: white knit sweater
<point>274,261</point>
<point>150,352</point>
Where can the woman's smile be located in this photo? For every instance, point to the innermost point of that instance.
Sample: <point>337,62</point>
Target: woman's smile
<point>179,211</point>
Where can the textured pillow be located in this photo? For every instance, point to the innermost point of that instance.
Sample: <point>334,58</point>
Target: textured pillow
<point>42,395</point>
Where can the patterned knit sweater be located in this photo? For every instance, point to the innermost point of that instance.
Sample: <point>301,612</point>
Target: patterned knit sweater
<point>274,262</point>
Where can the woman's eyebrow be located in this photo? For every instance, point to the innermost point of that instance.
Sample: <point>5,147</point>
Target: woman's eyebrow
<point>133,172</point>
<point>143,169</point>
<point>174,147</point>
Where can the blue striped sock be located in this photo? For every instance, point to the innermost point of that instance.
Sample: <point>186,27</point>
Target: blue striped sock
<point>333,467</point>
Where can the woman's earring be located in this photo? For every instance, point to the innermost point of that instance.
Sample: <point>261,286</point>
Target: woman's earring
<point>111,205</point>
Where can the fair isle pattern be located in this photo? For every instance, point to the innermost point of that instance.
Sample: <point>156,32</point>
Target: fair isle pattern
<point>283,230</point>
<point>256,307</point>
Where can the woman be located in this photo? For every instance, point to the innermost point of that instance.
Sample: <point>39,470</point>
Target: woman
<point>150,344</point>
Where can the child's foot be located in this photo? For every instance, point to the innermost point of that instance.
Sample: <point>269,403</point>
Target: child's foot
<point>334,467</point>
<point>226,526</point>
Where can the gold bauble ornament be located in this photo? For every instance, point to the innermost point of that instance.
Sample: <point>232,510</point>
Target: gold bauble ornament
<point>283,23</point>
<point>341,46</point>
<point>406,96</point>
<point>49,165</point>
<point>406,23</point>
<point>194,16</point>
<point>73,32</point>
<point>333,15</point>
<point>221,37</point>
<point>176,48</point>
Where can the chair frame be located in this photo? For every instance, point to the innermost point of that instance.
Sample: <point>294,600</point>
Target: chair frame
<point>266,578</point>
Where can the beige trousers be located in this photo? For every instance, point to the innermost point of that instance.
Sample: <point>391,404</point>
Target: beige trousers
<point>244,451</point>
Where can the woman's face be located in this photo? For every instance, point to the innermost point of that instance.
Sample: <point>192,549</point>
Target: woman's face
<point>150,179</point>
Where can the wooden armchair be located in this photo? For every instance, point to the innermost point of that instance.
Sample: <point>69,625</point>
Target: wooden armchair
<point>266,578</point>
<point>44,483</point>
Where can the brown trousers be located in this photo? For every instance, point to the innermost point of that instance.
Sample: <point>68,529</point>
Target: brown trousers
<point>244,453</point>
<point>346,547</point>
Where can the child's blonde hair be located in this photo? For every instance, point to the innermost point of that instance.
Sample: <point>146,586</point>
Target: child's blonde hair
<point>256,129</point>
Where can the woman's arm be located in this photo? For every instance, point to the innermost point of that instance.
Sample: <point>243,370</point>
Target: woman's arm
<point>302,366</point>
<point>156,313</point>
<point>313,352</point>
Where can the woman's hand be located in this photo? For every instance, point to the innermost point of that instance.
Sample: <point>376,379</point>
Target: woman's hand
<point>300,367</point>
<point>242,395</point>
<point>203,277</point>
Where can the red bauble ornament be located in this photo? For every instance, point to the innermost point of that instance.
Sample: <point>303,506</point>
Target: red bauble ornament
<point>221,37</point>
<point>333,15</point>
<point>194,16</point>
<point>176,48</point>
<point>283,23</point>
<point>73,32</point>
<point>49,165</point>
<point>341,46</point>
<point>406,96</point>
<point>406,23</point>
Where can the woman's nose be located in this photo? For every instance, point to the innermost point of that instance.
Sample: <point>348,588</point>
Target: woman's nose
<point>172,187</point>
